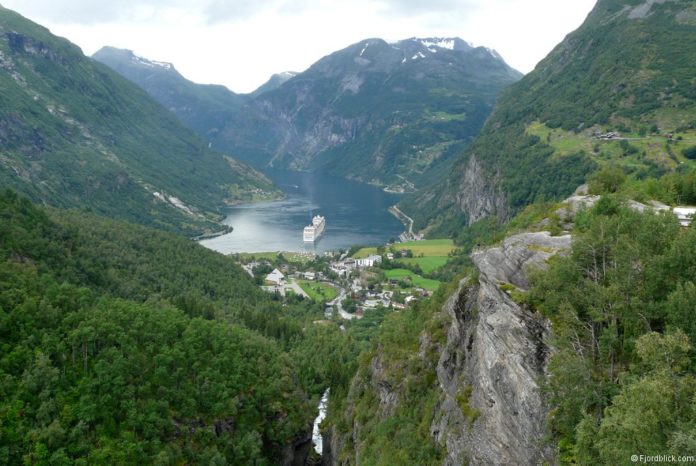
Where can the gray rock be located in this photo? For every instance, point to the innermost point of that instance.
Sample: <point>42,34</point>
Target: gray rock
<point>496,353</point>
<point>508,263</point>
<point>574,204</point>
<point>478,194</point>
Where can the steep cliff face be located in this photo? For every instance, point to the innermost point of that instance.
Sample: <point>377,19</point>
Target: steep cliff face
<point>491,409</point>
<point>477,193</point>
<point>476,368</point>
<point>297,452</point>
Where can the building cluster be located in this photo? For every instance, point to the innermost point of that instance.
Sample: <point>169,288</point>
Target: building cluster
<point>344,268</point>
<point>361,289</point>
<point>607,136</point>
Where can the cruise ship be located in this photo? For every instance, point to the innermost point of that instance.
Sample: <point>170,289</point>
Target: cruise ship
<point>314,231</point>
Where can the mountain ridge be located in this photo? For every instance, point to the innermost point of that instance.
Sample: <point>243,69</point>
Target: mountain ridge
<point>378,112</point>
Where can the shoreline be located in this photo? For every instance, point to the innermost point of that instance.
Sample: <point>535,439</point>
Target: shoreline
<point>205,236</point>
<point>407,221</point>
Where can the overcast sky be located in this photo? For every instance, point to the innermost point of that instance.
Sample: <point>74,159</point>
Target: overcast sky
<point>240,43</point>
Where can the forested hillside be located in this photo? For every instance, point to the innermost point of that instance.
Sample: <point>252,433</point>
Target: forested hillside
<point>203,108</point>
<point>73,133</point>
<point>622,308</point>
<point>121,344</point>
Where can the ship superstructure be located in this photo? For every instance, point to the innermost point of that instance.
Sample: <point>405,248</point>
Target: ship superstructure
<point>314,231</point>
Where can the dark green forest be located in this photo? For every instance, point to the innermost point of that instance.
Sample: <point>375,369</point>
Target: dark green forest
<point>120,344</point>
<point>622,307</point>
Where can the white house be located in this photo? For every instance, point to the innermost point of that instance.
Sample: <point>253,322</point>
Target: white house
<point>276,277</point>
<point>685,215</point>
<point>369,261</point>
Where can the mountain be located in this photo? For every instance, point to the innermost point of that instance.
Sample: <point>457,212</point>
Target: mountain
<point>203,108</point>
<point>76,134</point>
<point>274,82</point>
<point>385,113</point>
<point>377,112</point>
<point>617,92</point>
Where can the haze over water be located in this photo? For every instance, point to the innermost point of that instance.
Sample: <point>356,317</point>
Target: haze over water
<point>356,214</point>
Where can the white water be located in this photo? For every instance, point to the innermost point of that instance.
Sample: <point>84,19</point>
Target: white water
<point>316,434</point>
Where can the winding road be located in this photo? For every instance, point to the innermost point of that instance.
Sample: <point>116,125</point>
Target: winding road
<point>338,302</point>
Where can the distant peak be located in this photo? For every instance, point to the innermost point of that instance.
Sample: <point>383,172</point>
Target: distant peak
<point>151,63</point>
<point>494,53</point>
<point>129,55</point>
<point>287,74</point>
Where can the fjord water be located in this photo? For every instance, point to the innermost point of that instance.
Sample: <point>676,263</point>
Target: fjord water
<point>356,214</point>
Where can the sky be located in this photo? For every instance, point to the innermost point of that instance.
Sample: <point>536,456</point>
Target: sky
<point>241,43</point>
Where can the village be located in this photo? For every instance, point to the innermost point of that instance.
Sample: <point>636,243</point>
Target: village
<point>350,284</point>
<point>355,282</point>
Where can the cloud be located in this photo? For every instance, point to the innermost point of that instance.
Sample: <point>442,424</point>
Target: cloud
<point>219,11</point>
<point>428,7</point>
<point>91,11</point>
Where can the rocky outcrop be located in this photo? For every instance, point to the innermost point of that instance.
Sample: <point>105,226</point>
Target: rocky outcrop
<point>491,410</point>
<point>297,452</point>
<point>478,194</point>
<point>332,445</point>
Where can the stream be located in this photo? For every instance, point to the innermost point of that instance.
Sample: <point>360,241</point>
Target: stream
<point>316,433</point>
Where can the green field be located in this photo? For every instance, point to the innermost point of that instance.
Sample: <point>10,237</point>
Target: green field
<point>318,291</point>
<point>654,147</point>
<point>249,256</point>
<point>427,264</point>
<point>428,248</point>
<point>417,280</point>
<point>272,256</point>
<point>364,252</point>
<point>425,248</point>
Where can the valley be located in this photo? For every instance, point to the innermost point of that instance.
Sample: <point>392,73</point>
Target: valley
<point>506,273</point>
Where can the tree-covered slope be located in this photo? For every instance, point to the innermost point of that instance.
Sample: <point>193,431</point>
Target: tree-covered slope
<point>120,344</point>
<point>74,133</point>
<point>627,70</point>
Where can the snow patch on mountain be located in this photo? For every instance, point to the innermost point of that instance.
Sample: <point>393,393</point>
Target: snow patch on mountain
<point>367,44</point>
<point>493,53</point>
<point>437,42</point>
<point>151,63</point>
